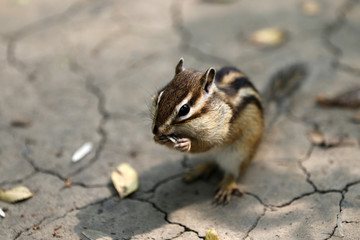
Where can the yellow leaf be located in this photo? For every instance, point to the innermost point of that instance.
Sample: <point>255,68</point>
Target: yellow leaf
<point>311,8</point>
<point>15,194</point>
<point>211,235</point>
<point>268,37</point>
<point>125,180</point>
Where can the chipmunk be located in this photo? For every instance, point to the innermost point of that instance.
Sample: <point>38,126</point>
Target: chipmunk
<point>218,114</point>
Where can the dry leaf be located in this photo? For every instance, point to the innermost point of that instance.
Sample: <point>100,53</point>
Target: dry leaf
<point>319,139</point>
<point>350,99</point>
<point>211,235</point>
<point>316,137</point>
<point>356,117</point>
<point>15,194</point>
<point>310,8</point>
<point>22,123</point>
<point>82,152</point>
<point>125,180</point>
<point>2,214</point>
<point>268,37</point>
<point>95,235</point>
<point>348,142</point>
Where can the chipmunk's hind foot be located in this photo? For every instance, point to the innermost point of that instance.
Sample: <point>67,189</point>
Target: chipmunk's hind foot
<point>226,188</point>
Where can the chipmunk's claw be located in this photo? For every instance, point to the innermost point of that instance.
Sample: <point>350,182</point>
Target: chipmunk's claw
<point>226,188</point>
<point>183,144</point>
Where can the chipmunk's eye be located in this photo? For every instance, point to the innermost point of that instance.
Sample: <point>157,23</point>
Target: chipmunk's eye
<point>184,110</point>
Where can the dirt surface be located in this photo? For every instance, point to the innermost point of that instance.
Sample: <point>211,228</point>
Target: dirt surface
<point>73,72</point>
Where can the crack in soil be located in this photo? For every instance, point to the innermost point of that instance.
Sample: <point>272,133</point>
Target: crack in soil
<point>186,37</point>
<point>19,180</point>
<point>101,106</point>
<point>338,216</point>
<point>29,228</point>
<point>305,171</point>
<point>163,181</point>
<point>334,27</point>
<point>64,215</point>
<point>176,10</point>
<point>21,67</point>
<point>14,37</point>
<point>308,175</point>
<point>351,222</point>
<point>256,223</point>
<point>166,217</point>
<point>38,169</point>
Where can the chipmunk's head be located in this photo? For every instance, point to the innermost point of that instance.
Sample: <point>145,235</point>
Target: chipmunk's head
<point>182,101</point>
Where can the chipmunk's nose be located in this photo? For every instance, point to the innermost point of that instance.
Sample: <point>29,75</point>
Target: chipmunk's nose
<point>155,130</point>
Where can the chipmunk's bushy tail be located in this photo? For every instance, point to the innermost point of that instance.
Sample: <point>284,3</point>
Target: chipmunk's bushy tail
<point>281,87</point>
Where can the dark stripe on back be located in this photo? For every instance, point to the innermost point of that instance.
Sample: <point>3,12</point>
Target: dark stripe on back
<point>241,82</point>
<point>245,102</point>
<point>223,72</point>
<point>233,88</point>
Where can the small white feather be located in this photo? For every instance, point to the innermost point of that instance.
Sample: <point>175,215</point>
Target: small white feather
<point>2,214</point>
<point>84,150</point>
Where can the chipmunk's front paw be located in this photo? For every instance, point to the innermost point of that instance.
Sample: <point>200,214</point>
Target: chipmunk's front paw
<point>183,144</point>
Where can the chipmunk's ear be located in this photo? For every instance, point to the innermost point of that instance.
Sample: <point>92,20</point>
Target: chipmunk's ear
<point>207,79</point>
<point>180,66</point>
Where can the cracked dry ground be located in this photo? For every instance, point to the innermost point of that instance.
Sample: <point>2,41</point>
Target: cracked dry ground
<point>82,71</point>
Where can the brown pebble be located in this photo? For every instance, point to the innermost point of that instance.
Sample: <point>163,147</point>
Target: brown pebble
<point>57,228</point>
<point>68,183</point>
<point>21,123</point>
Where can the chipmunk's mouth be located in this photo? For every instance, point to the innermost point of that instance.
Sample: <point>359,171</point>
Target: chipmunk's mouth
<point>172,137</point>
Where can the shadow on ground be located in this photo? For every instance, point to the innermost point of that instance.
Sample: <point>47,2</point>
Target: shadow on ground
<point>174,207</point>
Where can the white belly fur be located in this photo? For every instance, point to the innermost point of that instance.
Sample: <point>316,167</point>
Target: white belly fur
<point>230,158</point>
